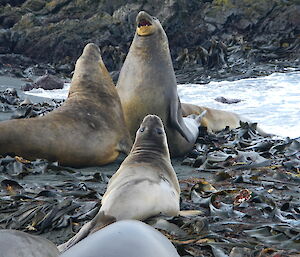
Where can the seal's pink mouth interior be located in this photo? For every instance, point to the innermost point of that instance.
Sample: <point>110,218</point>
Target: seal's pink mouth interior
<point>144,23</point>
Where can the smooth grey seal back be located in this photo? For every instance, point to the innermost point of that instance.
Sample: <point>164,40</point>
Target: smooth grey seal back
<point>127,238</point>
<point>14,243</point>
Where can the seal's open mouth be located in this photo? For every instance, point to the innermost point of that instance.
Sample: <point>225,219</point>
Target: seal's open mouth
<point>144,25</point>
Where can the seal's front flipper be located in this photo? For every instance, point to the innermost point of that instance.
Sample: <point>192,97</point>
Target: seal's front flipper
<point>177,122</point>
<point>99,221</point>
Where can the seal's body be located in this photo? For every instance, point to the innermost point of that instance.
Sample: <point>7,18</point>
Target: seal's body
<point>88,129</point>
<point>147,85</point>
<point>145,185</point>
<point>214,120</point>
<point>124,238</point>
<point>14,243</point>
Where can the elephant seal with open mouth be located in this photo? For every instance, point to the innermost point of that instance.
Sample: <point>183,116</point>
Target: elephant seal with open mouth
<point>147,85</point>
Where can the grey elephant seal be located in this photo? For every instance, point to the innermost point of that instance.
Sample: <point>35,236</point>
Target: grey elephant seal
<point>15,243</point>
<point>127,238</point>
<point>147,85</point>
<point>88,129</point>
<point>145,185</point>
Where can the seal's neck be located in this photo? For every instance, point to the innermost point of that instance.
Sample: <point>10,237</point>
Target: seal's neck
<point>148,45</point>
<point>91,80</point>
<point>148,150</point>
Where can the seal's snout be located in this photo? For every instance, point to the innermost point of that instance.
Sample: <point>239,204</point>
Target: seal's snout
<point>144,24</point>
<point>152,124</point>
<point>91,49</point>
<point>152,119</point>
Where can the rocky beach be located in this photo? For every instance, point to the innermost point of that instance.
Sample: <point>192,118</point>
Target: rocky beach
<point>209,40</point>
<point>244,186</point>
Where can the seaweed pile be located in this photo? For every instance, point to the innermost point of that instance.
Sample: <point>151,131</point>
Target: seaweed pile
<point>247,199</point>
<point>250,205</point>
<point>16,108</point>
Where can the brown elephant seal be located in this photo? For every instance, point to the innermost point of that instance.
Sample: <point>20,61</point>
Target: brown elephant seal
<point>88,129</point>
<point>14,243</point>
<point>127,238</point>
<point>216,120</point>
<point>145,185</point>
<point>147,85</point>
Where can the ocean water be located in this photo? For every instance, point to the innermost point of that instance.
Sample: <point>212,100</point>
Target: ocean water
<point>272,101</point>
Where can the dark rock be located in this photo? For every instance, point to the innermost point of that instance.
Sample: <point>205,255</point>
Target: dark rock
<point>12,2</point>
<point>27,87</point>
<point>5,45</point>
<point>209,39</point>
<point>224,100</point>
<point>34,5</point>
<point>47,82</point>
<point>65,68</point>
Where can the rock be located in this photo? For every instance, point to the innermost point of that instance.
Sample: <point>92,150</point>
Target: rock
<point>34,5</point>
<point>27,87</point>
<point>55,31</point>
<point>47,82</point>
<point>5,45</point>
<point>12,2</point>
<point>224,100</point>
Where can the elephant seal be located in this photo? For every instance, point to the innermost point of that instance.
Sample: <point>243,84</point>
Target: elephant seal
<point>87,130</point>
<point>14,243</point>
<point>216,120</point>
<point>145,185</point>
<point>147,85</point>
<point>128,238</point>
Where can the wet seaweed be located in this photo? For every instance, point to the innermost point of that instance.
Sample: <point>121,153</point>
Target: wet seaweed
<point>12,104</point>
<point>246,189</point>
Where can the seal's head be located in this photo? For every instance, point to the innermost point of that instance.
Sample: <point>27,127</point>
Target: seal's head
<point>147,25</point>
<point>151,136</point>
<point>91,50</point>
<point>90,72</point>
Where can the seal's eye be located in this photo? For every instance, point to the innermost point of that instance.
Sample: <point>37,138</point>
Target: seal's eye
<point>142,129</point>
<point>159,131</point>
<point>154,18</point>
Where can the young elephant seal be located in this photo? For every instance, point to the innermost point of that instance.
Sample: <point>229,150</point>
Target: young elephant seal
<point>14,243</point>
<point>124,238</point>
<point>147,85</point>
<point>87,130</point>
<point>145,185</point>
<point>216,120</point>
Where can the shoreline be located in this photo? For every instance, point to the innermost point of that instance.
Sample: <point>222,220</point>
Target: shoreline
<point>236,179</point>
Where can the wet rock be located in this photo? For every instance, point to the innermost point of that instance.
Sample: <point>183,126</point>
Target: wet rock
<point>224,100</point>
<point>47,82</point>
<point>27,87</point>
